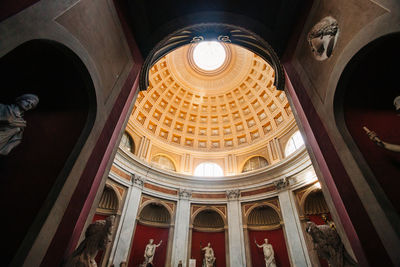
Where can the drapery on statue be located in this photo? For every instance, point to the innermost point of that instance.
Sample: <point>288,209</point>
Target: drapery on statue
<point>97,236</point>
<point>268,251</point>
<point>149,252</point>
<point>374,137</point>
<point>329,246</point>
<point>11,122</point>
<point>209,258</point>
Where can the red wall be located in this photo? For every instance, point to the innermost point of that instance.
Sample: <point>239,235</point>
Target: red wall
<point>217,241</point>
<point>142,235</point>
<point>276,239</point>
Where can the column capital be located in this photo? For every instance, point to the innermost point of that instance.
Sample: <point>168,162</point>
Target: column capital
<point>233,194</point>
<point>282,183</point>
<point>138,181</point>
<point>185,193</point>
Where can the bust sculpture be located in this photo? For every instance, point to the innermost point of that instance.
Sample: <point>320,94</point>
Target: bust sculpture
<point>11,122</point>
<point>328,245</point>
<point>268,251</point>
<point>322,38</point>
<point>149,252</point>
<point>209,258</point>
<point>97,236</point>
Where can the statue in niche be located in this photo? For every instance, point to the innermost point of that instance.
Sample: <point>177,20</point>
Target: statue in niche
<point>329,246</point>
<point>149,253</point>
<point>268,251</point>
<point>374,137</point>
<point>209,258</point>
<point>11,122</point>
<point>97,236</point>
<point>322,38</point>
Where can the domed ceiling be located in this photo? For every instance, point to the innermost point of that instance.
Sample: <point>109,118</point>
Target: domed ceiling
<point>231,105</point>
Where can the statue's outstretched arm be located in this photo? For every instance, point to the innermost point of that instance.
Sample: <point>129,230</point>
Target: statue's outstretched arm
<point>159,244</point>
<point>388,146</point>
<point>257,244</point>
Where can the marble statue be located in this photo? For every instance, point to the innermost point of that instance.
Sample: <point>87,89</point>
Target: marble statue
<point>322,38</point>
<point>149,252</point>
<point>97,236</point>
<point>328,245</point>
<point>11,122</point>
<point>209,258</point>
<point>268,251</point>
<point>374,137</point>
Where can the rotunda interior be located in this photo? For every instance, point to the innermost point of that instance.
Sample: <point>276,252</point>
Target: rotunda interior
<point>212,133</point>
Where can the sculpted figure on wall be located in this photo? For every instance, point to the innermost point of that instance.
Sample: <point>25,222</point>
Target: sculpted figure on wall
<point>11,122</point>
<point>374,137</point>
<point>268,251</point>
<point>149,252</point>
<point>328,245</point>
<point>209,258</point>
<point>97,236</point>
<point>322,38</point>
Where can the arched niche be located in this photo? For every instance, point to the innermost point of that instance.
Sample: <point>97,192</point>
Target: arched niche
<point>364,98</point>
<point>209,225</point>
<point>264,221</point>
<point>154,221</point>
<point>34,172</point>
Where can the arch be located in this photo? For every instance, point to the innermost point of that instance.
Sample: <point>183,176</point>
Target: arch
<point>128,142</point>
<point>171,160</point>
<point>355,108</point>
<point>109,200</point>
<point>221,32</point>
<point>264,203</point>
<point>155,213</point>
<point>158,202</point>
<point>216,168</point>
<point>208,208</point>
<point>208,219</point>
<point>260,163</point>
<point>309,190</point>
<point>294,142</point>
<point>67,101</point>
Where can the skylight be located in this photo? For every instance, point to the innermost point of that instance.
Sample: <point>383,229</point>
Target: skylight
<point>208,55</point>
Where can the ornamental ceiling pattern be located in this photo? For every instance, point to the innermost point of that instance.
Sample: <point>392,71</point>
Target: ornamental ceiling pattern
<point>232,107</point>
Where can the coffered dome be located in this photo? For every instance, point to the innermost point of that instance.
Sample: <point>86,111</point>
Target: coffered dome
<point>232,106</point>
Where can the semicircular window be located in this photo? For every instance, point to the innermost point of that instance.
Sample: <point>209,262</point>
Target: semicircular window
<point>164,162</point>
<point>127,142</point>
<point>254,163</point>
<point>294,143</point>
<point>209,169</point>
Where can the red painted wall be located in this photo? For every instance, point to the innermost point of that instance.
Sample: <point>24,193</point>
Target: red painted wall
<point>276,239</point>
<point>217,241</point>
<point>141,238</point>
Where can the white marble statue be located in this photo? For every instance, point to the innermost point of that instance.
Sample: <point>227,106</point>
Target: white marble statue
<point>268,251</point>
<point>149,252</point>
<point>209,258</point>
<point>12,123</point>
<point>322,38</point>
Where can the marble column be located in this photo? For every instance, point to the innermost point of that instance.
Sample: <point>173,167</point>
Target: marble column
<point>124,234</point>
<point>297,247</point>
<point>181,233</point>
<point>237,257</point>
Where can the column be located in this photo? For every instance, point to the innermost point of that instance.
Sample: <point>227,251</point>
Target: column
<point>181,234</point>
<point>125,232</point>
<point>235,230</point>
<point>295,239</point>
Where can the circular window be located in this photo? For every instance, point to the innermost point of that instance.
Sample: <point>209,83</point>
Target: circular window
<point>209,56</point>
